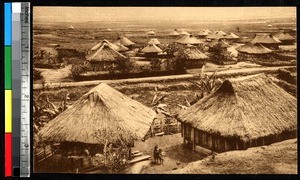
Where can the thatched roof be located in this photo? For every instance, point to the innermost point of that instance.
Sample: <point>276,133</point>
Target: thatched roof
<point>121,47</point>
<point>254,49</point>
<point>219,42</point>
<point>151,48</point>
<point>105,53</point>
<point>71,27</point>
<point>174,33</point>
<point>247,108</point>
<point>124,40</point>
<point>194,54</point>
<point>284,36</point>
<point>151,32</point>
<point>183,32</point>
<point>231,36</point>
<point>188,39</point>
<point>217,35</point>
<point>99,115</point>
<point>154,41</point>
<point>265,39</point>
<point>204,32</point>
<point>108,30</point>
<point>97,46</point>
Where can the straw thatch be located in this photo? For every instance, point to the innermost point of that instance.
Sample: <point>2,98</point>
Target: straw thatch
<point>108,30</point>
<point>97,46</point>
<point>231,36</point>
<point>204,32</point>
<point>105,53</point>
<point>151,48</point>
<point>247,108</point>
<point>216,35</point>
<point>284,36</point>
<point>121,47</point>
<point>174,33</point>
<point>265,39</point>
<point>254,49</point>
<point>188,39</point>
<point>99,115</point>
<point>125,41</point>
<point>154,41</point>
<point>194,54</point>
<point>151,32</point>
<point>218,42</point>
<point>71,27</point>
<point>183,32</point>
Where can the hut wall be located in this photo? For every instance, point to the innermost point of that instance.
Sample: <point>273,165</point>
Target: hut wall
<point>102,65</point>
<point>194,63</point>
<point>220,144</point>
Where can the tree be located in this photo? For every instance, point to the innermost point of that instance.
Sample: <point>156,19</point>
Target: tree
<point>124,65</point>
<point>155,65</point>
<point>238,29</point>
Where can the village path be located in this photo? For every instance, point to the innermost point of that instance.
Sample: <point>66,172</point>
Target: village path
<point>229,71</point>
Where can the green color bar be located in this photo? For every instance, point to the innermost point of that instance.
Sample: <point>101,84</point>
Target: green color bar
<point>8,68</point>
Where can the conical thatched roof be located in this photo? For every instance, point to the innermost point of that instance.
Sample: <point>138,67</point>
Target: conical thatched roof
<point>247,108</point>
<point>254,49</point>
<point>99,115</point>
<point>193,53</point>
<point>154,41</point>
<point>174,33</point>
<point>283,36</point>
<point>105,53</point>
<point>265,39</point>
<point>231,36</point>
<point>151,32</point>
<point>71,27</point>
<point>97,46</point>
<point>125,41</point>
<point>121,47</point>
<point>204,32</point>
<point>188,39</point>
<point>183,32</point>
<point>151,48</point>
<point>217,35</point>
<point>216,42</point>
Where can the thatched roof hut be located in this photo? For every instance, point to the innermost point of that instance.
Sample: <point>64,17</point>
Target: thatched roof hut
<point>104,53</point>
<point>267,40</point>
<point>285,37</point>
<point>204,33</point>
<point>121,47</point>
<point>151,33</point>
<point>174,33</point>
<point>216,35</point>
<point>188,39</point>
<point>151,48</point>
<point>154,41</point>
<point>254,49</point>
<point>112,45</point>
<point>71,27</point>
<point>99,115</point>
<point>218,42</point>
<point>193,53</point>
<point>125,41</point>
<point>243,112</point>
<point>231,36</point>
<point>183,32</point>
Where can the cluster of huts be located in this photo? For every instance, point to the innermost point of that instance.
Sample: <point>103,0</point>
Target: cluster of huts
<point>197,49</point>
<point>243,112</point>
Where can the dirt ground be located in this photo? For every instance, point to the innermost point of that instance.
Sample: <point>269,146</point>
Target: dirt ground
<point>56,75</point>
<point>176,155</point>
<point>277,158</point>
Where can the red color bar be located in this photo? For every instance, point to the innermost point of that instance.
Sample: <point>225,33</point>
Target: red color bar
<point>8,154</point>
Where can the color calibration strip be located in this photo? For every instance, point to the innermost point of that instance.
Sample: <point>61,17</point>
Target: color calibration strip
<point>8,87</point>
<point>17,88</point>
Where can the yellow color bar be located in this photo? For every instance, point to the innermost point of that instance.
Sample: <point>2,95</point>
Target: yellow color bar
<point>8,111</point>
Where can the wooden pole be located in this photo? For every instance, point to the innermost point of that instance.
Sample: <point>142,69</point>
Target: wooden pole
<point>193,133</point>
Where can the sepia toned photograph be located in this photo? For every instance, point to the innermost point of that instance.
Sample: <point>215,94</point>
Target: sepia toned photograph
<point>164,90</point>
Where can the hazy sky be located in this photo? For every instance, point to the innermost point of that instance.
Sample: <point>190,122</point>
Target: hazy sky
<point>79,14</point>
